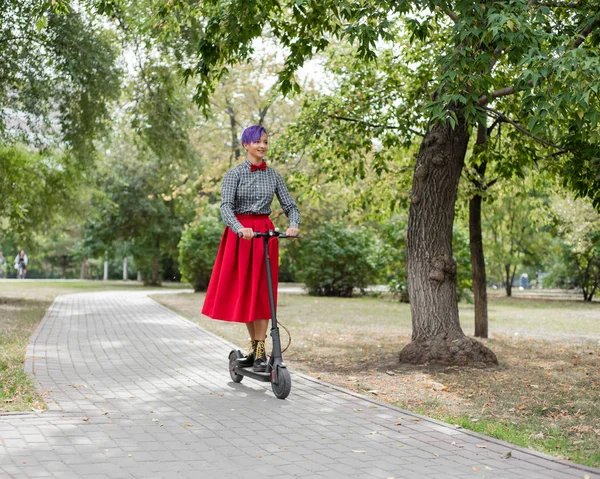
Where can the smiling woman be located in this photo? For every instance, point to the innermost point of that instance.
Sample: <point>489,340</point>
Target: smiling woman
<point>238,289</point>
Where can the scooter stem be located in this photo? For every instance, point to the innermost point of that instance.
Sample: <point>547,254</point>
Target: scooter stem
<point>274,328</point>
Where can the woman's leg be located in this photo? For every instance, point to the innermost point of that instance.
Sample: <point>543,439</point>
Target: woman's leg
<point>248,360</point>
<point>260,329</point>
<point>250,327</point>
<point>260,334</point>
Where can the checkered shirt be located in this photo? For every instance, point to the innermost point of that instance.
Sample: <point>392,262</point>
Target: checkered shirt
<point>246,192</point>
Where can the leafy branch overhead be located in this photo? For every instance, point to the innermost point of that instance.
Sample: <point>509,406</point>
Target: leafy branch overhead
<point>476,55</point>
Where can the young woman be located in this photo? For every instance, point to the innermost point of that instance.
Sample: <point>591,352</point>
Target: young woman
<point>238,289</point>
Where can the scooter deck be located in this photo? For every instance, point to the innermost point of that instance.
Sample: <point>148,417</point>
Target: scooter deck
<point>260,376</point>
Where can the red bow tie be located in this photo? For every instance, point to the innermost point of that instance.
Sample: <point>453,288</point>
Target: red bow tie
<point>262,166</point>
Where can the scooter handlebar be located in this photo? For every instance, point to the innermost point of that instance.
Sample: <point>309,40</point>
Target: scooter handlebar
<point>271,233</point>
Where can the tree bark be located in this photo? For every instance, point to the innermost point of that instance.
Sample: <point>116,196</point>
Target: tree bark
<point>476,246</point>
<point>82,269</point>
<point>509,279</point>
<point>155,269</point>
<point>437,337</point>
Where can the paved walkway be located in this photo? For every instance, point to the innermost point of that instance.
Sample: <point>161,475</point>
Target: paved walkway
<point>136,391</point>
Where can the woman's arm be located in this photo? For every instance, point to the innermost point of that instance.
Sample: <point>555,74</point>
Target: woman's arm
<point>288,204</point>
<point>228,191</point>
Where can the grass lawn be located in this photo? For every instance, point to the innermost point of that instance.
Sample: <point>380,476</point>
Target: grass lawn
<point>543,395</point>
<point>22,306</point>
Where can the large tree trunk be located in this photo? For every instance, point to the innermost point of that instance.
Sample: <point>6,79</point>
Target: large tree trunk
<point>478,275</point>
<point>437,337</point>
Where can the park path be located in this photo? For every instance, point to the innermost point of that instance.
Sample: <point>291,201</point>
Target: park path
<point>136,391</point>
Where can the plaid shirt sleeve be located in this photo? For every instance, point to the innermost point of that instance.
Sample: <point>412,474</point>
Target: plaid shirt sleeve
<point>228,191</point>
<point>287,203</point>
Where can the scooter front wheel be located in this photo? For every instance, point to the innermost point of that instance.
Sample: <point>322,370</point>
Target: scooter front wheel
<point>235,377</point>
<point>282,388</point>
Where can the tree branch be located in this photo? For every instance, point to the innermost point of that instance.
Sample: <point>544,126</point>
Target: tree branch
<point>498,115</point>
<point>506,91</point>
<point>372,125</point>
<point>585,33</point>
<point>535,3</point>
<point>453,16</point>
<point>509,90</point>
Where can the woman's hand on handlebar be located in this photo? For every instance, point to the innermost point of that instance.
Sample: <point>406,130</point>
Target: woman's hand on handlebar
<point>246,233</point>
<point>291,232</point>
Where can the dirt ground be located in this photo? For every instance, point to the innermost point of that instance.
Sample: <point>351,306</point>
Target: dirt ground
<point>544,394</point>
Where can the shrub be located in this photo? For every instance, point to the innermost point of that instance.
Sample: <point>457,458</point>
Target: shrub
<point>336,259</point>
<point>392,254</point>
<point>198,249</point>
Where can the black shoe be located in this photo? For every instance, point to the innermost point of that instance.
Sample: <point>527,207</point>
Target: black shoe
<point>260,365</point>
<point>260,360</point>
<point>246,361</point>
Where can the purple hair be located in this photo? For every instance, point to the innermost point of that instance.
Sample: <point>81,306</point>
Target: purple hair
<point>253,133</point>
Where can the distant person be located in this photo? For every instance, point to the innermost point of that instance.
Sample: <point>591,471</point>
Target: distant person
<point>2,264</point>
<point>21,264</point>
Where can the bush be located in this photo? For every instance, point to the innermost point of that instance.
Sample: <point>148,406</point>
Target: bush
<point>462,255</point>
<point>336,259</point>
<point>392,254</point>
<point>198,249</point>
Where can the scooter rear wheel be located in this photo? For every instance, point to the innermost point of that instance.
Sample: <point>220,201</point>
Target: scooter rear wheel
<point>235,377</point>
<point>284,385</point>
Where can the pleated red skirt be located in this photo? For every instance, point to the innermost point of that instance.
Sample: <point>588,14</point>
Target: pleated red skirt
<point>238,289</point>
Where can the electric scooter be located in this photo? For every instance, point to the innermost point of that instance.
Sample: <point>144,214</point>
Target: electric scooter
<point>276,373</point>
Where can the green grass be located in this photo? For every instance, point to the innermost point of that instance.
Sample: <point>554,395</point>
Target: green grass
<point>19,319</point>
<point>538,318</point>
<point>535,436</point>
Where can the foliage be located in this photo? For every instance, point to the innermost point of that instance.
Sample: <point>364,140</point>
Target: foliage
<point>392,255</point>
<point>58,77</point>
<point>514,228</point>
<point>466,56</point>
<point>198,249</point>
<point>35,187</point>
<point>335,259</point>
<point>578,225</point>
<point>461,254</point>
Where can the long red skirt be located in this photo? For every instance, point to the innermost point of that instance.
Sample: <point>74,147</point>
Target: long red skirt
<point>238,289</point>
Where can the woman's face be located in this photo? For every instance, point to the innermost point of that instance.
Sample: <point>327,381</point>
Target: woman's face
<point>258,149</point>
<point>21,253</point>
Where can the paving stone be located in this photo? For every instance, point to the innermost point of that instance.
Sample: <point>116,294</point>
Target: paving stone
<point>172,411</point>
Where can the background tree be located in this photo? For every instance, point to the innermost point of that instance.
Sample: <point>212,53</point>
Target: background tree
<point>58,76</point>
<point>514,223</point>
<point>578,225</point>
<point>483,54</point>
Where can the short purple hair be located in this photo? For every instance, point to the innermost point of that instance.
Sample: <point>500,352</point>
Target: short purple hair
<point>253,133</point>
